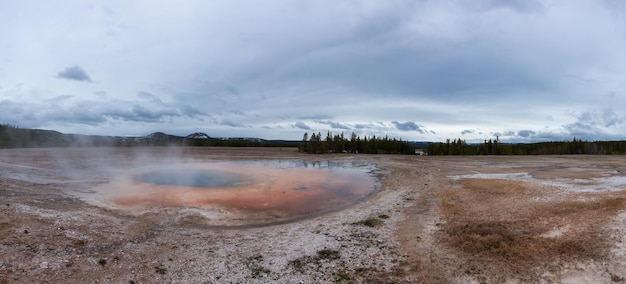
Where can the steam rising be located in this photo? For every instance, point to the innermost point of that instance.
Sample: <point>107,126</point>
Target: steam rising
<point>224,187</point>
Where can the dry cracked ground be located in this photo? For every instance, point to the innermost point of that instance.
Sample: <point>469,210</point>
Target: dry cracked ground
<point>517,219</point>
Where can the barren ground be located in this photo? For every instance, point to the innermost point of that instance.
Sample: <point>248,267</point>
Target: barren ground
<point>516,219</point>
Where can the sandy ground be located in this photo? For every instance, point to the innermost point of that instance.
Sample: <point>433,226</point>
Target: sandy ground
<point>529,219</point>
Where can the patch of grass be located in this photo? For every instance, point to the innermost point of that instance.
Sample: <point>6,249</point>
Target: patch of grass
<point>616,278</point>
<point>301,263</point>
<point>383,216</point>
<point>340,277</point>
<point>256,269</point>
<point>502,229</point>
<point>160,270</point>
<point>102,261</point>
<point>257,258</point>
<point>370,222</point>
<point>602,206</point>
<point>328,254</point>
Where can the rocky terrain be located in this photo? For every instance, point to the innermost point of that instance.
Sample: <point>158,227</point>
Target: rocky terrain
<point>517,219</point>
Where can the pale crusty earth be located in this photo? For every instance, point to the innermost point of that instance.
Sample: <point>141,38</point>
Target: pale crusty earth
<point>516,219</point>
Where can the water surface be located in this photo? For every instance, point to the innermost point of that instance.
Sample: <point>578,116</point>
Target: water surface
<point>257,191</point>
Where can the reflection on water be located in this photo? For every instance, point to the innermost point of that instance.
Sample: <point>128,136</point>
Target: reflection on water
<point>276,189</point>
<point>330,165</point>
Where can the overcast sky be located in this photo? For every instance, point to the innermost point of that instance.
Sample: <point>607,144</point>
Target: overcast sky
<point>416,70</point>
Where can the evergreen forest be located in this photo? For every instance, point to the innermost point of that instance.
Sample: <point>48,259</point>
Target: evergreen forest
<point>495,147</point>
<point>337,143</point>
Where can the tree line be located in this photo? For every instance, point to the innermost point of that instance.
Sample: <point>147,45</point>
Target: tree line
<point>495,147</point>
<point>338,143</point>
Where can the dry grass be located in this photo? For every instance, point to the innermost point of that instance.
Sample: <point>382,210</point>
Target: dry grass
<point>511,229</point>
<point>370,222</point>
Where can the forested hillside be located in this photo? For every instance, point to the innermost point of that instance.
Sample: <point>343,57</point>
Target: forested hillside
<point>15,137</point>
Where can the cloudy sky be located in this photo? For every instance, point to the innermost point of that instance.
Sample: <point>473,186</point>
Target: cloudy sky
<point>522,70</point>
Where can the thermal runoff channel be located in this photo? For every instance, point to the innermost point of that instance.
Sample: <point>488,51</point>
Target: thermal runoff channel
<point>262,190</point>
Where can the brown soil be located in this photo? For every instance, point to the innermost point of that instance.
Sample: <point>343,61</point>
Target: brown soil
<point>434,220</point>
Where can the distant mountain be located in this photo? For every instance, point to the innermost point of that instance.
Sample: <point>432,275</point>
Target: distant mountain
<point>14,137</point>
<point>11,137</point>
<point>198,135</point>
<point>419,144</point>
<point>160,137</point>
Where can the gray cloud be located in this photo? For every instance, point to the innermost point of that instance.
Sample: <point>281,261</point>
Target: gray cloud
<point>237,112</point>
<point>315,117</point>
<point>232,124</point>
<point>503,134</point>
<point>597,124</point>
<point>335,125</point>
<point>526,133</point>
<point>302,125</point>
<point>446,64</point>
<point>86,112</point>
<point>58,99</point>
<point>523,6</point>
<point>142,113</point>
<point>193,112</point>
<point>74,73</point>
<point>408,126</point>
<point>526,136</point>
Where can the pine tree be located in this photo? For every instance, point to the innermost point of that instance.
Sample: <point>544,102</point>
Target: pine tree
<point>305,141</point>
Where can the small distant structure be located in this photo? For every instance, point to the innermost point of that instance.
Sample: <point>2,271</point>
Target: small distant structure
<point>420,152</point>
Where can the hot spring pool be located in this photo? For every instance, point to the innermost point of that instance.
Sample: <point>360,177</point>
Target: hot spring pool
<point>252,192</point>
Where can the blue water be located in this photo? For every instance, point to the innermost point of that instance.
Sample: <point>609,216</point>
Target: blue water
<point>194,178</point>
